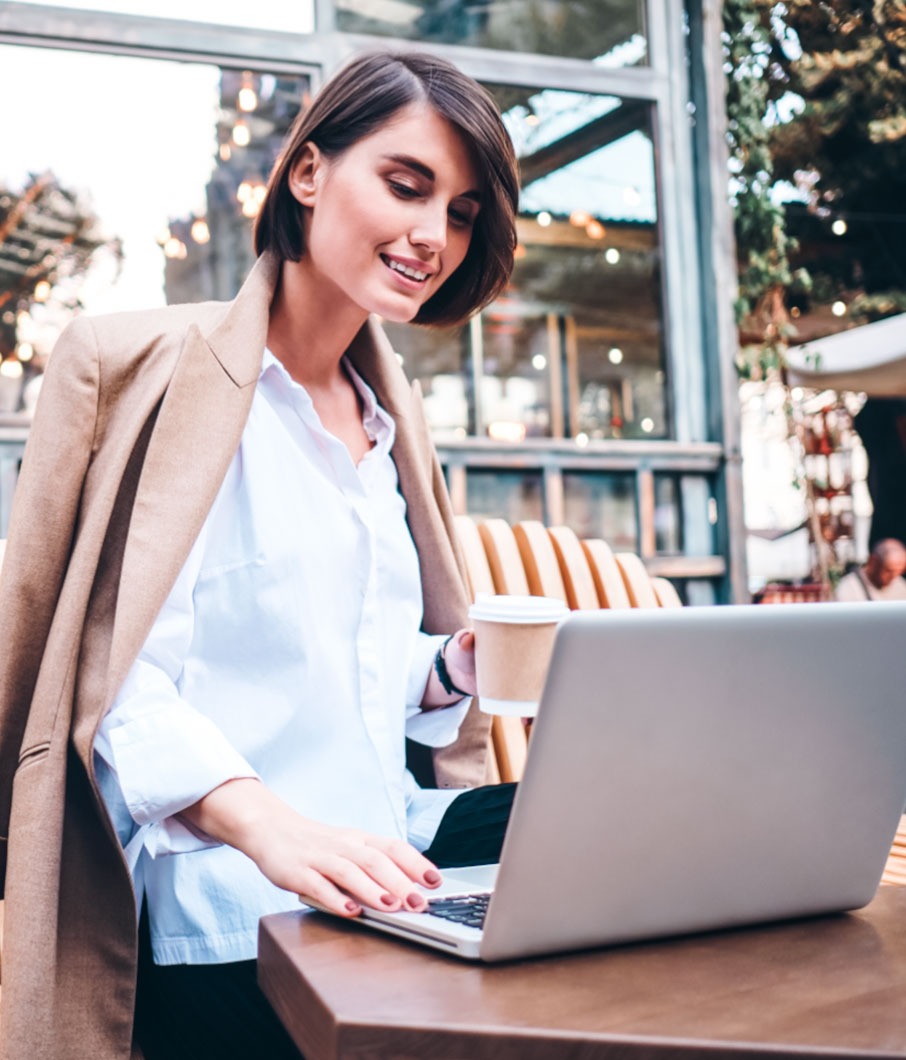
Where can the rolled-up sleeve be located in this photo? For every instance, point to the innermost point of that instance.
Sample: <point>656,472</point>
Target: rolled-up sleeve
<point>440,726</point>
<point>162,753</point>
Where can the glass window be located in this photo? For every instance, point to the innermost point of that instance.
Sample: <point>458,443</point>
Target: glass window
<point>441,361</point>
<point>160,211</point>
<point>502,494</point>
<point>297,17</point>
<point>609,31</point>
<point>685,515</point>
<point>602,504</point>
<point>583,311</point>
<point>518,356</point>
<point>667,528</point>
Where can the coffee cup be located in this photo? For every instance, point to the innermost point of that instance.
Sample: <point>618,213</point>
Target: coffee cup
<point>514,638</point>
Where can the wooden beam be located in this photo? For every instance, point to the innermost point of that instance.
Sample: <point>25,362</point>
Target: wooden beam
<point>630,116</point>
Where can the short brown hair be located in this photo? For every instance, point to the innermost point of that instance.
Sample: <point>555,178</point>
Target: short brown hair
<point>361,97</point>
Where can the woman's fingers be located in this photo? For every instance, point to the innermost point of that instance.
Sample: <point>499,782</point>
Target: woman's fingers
<point>348,864</point>
<point>465,638</point>
<point>380,886</point>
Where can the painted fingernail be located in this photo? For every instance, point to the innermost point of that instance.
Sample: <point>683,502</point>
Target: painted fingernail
<point>388,899</point>
<point>431,877</point>
<point>353,907</point>
<point>415,901</point>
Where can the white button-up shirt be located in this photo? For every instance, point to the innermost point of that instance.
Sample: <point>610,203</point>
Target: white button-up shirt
<point>289,649</point>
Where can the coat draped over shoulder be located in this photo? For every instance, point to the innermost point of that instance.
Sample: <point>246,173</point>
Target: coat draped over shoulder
<point>139,417</point>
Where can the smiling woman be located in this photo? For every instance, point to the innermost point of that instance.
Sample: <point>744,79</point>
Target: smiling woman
<point>249,489</point>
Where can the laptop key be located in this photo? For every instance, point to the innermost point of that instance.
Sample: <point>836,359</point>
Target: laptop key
<point>468,910</point>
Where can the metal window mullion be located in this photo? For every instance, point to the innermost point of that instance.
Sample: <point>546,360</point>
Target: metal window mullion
<point>476,339</point>
<point>678,235</point>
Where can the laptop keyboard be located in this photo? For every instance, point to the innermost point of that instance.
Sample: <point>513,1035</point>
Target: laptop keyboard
<point>467,909</point>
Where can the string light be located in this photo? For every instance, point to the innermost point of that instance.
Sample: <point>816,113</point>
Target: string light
<point>42,291</point>
<point>544,218</point>
<point>175,248</point>
<point>200,231</point>
<point>838,309</point>
<point>839,227</point>
<point>11,368</point>
<point>615,355</point>
<point>647,425</point>
<point>241,135</point>
<point>225,152</point>
<point>506,431</point>
<point>612,256</point>
<point>579,218</point>
<point>248,99</point>
<point>595,230</point>
<point>25,351</point>
<point>539,362</point>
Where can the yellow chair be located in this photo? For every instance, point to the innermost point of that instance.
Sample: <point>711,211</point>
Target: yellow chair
<point>636,580</point>
<point>895,870</point>
<point>542,571</point>
<point>581,594</point>
<point>605,573</point>
<point>508,738</point>
<point>666,593</point>
<point>478,570</point>
<point>503,557</point>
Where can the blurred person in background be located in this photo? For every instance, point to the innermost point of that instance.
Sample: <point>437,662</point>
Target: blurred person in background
<point>881,577</point>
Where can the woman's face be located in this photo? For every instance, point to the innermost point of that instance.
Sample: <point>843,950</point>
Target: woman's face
<point>389,220</point>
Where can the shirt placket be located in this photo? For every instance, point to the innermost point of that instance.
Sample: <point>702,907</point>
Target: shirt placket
<point>371,684</point>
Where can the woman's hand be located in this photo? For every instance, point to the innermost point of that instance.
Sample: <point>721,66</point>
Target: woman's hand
<point>459,657</point>
<point>340,869</point>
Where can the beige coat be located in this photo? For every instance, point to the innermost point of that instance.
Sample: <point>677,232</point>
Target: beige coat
<point>138,420</point>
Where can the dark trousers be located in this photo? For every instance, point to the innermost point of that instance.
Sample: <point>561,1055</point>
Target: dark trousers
<point>216,1011</point>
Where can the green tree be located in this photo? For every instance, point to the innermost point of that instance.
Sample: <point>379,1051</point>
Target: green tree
<point>846,61</point>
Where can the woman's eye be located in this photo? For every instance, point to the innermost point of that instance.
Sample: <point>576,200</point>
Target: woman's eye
<point>404,191</point>
<point>461,218</point>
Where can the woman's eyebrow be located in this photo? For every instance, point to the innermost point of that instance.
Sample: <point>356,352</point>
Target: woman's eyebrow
<point>427,172</point>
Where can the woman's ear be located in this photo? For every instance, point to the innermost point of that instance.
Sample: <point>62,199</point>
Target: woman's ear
<point>304,174</point>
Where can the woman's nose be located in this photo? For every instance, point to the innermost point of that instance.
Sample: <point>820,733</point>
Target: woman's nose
<point>431,229</point>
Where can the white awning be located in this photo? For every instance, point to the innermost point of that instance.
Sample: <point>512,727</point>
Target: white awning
<point>871,358</point>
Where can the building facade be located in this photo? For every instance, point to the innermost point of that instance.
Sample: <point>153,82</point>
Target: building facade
<point>599,391</point>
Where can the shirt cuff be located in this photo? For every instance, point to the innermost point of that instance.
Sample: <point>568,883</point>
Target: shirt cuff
<point>427,645</point>
<point>439,726</point>
<point>160,775</point>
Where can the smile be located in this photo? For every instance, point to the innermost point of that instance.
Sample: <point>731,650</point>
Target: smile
<point>405,270</point>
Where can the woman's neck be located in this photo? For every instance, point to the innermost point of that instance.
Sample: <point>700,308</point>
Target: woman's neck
<point>311,326</point>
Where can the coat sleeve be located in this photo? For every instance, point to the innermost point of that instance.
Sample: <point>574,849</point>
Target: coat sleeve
<point>44,517</point>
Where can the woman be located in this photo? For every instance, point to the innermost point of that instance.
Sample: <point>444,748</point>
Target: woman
<point>222,597</point>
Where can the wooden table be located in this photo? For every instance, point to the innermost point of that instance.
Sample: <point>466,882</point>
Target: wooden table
<point>830,987</point>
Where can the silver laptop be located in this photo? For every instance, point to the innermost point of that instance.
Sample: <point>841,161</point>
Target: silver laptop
<point>692,769</point>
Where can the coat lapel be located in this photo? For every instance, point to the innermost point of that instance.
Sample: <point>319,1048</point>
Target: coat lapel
<point>197,432</point>
<point>427,505</point>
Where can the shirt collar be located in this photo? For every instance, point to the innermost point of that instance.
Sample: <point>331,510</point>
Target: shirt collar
<point>378,424</point>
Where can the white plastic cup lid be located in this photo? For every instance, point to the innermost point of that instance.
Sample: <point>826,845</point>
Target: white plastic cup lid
<point>528,610</point>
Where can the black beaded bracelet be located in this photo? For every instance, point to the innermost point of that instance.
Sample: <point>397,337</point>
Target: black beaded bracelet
<point>440,666</point>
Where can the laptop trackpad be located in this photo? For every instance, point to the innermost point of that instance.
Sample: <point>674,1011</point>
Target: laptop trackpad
<point>475,878</point>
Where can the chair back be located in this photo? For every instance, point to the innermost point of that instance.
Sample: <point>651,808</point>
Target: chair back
<point>502,553</point>
<point>477,568</point>
<point>666,593</point>
<point>542,571</point>
<point>581,594</point>
<point>636,580</point>
<point>605,574</point>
